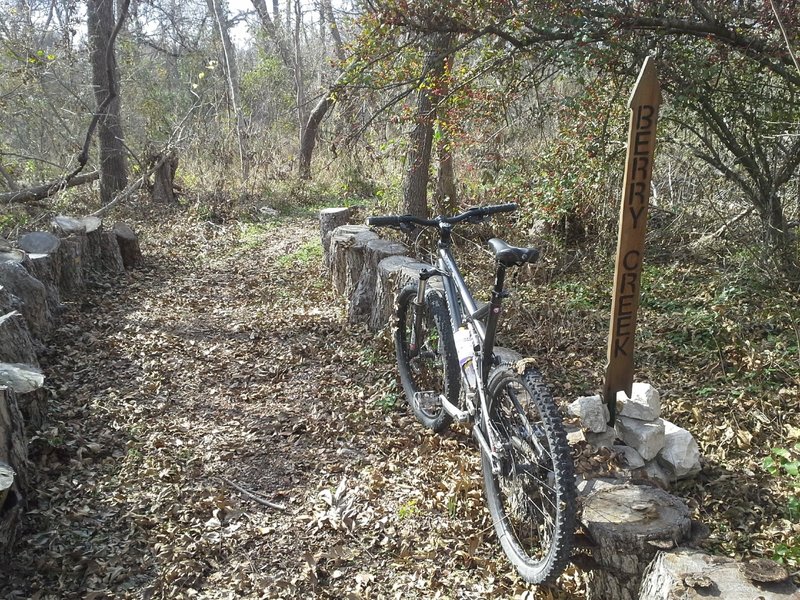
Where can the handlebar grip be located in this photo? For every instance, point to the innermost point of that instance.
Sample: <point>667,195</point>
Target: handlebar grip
<point>498,208</point>
<point>390,221</point>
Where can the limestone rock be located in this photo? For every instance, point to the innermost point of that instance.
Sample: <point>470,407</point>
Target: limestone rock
<point>680,455</point>
<point>647,438</point>
<point>644,403</point>
<point>591,411</point>
<point>605,439</point>
<point>632,458</point>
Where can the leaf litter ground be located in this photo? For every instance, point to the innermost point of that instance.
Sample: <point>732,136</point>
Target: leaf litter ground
<point>220,376</point>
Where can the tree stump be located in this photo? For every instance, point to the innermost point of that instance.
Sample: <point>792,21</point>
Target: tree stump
<point>16,344</point>
<point>42,248</point>
<point>27,383</point>
<point>347,255</point>
<point>32,297</point>
<point>128,246</point>
<point>164,176</point>
<point>70,274</point>
<point>38,242</point>
<point>64,226</point>
<point>361,300</point>
<point>688,573</point>
<point>91,259</point>
<point>14,470</point>
<point>392,274</point>
<point>330,219</point>
<point>110,257</point>
<point>629,524</point>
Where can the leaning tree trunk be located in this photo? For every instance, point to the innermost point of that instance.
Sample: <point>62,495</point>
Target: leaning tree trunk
<point>418,158</point>
<point>105,78</point>
<point>232,75</point>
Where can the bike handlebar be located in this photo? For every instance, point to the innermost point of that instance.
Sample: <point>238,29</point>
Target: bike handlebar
<point>473,214</point>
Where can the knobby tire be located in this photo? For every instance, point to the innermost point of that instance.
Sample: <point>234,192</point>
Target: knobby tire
<point>532,499</point>
<point>432,369</point>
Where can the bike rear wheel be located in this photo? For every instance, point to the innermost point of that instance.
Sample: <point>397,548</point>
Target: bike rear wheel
<point>532,498</point>
<point>426,358</point>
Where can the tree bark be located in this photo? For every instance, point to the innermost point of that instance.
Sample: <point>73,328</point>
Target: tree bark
<point>32,295</point>
<point>330,219</point>
<point>347,255</point>
<point>629,524</point>
<point>105,79</point>
<point>418,158</point>
<point>363,296</point>
<point>165,166</point>
<point>232,76</point>
<point>14,470</point>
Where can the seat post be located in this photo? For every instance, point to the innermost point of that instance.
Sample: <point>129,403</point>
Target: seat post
<point>494,316</point>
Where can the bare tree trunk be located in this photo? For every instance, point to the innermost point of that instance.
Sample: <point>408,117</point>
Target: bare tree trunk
<point>232,75</point>
<point>418,158</point>
<point>308,138</point>
<point>302,111</point>
<point>105,78</point>
<point>338,46</point>
<point>445,197</point>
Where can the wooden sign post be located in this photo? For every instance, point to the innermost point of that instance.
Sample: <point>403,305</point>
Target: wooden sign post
<point>644,103</point>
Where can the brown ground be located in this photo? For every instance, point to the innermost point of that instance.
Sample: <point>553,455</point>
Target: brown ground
<point>225,363</point>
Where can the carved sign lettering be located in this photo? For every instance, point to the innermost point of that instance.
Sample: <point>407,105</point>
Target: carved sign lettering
<point>644,103</point>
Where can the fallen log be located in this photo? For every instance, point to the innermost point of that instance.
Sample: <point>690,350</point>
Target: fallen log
<point>46,190</point>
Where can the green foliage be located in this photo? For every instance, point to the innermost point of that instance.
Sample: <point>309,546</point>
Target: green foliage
<point>785,464</point>
<point>307,254</point>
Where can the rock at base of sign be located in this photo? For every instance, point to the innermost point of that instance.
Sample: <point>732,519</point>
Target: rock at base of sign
<point>592,413</point>
<point>644,403</point>
<point>680,455</point>
<point>605,439</point>
<point>646,437</point>
<point>633,460</point>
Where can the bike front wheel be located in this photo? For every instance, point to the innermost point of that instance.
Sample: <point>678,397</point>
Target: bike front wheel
<point>531,491</point>
<point>426,357</point>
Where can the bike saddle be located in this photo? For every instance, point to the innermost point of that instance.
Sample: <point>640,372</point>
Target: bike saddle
<point>512,255</point>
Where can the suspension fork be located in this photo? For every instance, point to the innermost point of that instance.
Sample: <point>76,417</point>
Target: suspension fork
<point>415,340</point>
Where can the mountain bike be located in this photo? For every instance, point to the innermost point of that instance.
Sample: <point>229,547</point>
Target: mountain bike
<point>451,370</point>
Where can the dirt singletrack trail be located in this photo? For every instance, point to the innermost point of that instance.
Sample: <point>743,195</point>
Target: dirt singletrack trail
<point>225,369</point>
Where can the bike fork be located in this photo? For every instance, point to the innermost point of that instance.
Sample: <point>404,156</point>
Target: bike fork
<point>416,324</point>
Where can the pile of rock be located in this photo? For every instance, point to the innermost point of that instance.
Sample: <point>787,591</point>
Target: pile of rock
<point>653,448</point>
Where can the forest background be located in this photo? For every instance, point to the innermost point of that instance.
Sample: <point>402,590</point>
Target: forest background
<point>425,107</point>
